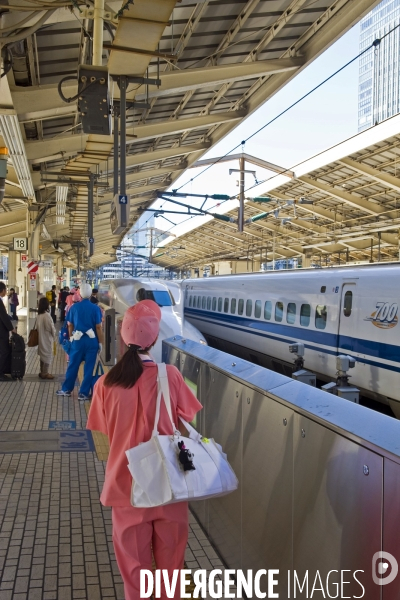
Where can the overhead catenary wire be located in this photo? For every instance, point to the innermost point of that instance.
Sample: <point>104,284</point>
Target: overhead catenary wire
<point>372,45</point>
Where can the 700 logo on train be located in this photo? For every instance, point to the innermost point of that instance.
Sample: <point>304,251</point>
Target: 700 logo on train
<point>385,315</point>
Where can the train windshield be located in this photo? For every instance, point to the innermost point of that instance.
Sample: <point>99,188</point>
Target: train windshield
<point>163,298</point>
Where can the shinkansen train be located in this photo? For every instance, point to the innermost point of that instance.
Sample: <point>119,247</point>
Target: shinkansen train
<point>120,294</point>
<point>343,310</point>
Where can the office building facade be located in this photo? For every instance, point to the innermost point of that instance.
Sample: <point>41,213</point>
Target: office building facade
<point>379,81</point>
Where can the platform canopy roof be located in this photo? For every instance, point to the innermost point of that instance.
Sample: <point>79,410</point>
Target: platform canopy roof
<point>342,205</point>
<point>218,61</point>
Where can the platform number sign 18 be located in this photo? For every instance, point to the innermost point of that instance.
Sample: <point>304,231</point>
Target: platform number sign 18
<point>20,244</point>
<point>384,315</point>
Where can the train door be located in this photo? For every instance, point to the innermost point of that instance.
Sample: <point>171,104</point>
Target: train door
<point>347,319</point>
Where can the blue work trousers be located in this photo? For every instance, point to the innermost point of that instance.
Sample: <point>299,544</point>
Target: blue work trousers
<point>83,350</point>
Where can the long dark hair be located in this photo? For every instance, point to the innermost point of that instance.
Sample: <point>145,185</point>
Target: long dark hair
<point>127,370</point>
<point>43,306</point>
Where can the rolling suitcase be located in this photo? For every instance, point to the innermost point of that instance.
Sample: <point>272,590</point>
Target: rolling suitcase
<point>18,360</point>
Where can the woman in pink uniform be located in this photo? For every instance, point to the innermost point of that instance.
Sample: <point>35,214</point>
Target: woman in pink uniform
<point>123,407</point>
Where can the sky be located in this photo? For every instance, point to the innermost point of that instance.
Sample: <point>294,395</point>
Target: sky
<point>322,120</point>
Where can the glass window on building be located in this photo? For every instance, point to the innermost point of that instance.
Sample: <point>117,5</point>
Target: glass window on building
<point>291,313</point>
<point>257,309</point>
<point>267,310</point>
<point>320,316</point>
<point>305,315</point>
<point>279,312</point>
<point>249,308</point>
<point>240,307</point>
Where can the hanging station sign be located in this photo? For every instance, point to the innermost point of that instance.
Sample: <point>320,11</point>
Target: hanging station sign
<point>20,244</point>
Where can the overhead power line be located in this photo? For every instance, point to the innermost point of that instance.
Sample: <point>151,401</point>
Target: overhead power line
<point>374,44</point>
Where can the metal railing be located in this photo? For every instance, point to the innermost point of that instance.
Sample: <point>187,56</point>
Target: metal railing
<point>319,477</point>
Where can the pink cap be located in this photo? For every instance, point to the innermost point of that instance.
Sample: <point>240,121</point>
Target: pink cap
<point>141,324</point>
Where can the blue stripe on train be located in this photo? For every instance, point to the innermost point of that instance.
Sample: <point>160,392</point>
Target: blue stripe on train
<point>275,331</point>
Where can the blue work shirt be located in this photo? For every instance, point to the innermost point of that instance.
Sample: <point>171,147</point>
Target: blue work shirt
<point>84,316</point>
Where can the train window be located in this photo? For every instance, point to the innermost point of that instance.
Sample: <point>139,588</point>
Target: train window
<point>267,310</point>
<point>323,289</point>
<point>320,316</point>
<point>198,301</point>
<point>219,304</point>
<point>208,302</point>
<point>190,300</point>
<point>233,306</point>
<point>159,296</point>
<point>279,311</point>
<point>226,305</point>
<point>240,307</point>
<point>257,309</point>
<point>203,302</point>
<point>347,304</point>
<point>291,313</point>
<point>214,303</point>
<point>194,301</point>
<point>305,314</point>
<point>249,308</point>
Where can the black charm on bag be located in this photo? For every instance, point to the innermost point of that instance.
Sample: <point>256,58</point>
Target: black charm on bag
<point>185,457</point>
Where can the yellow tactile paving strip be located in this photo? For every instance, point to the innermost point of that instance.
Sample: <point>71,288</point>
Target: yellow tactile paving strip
<point>100,440</point>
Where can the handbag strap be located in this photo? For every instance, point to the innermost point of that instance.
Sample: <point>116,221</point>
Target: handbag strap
<point>163,390</point>
<point>193,434</point>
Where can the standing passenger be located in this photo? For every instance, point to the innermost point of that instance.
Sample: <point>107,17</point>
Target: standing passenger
<point>5,327</point>
<point>47,336</point>
<point>86,335</point>
<point>53,303</point>
<point>123,407</point>
<point>13,302</point>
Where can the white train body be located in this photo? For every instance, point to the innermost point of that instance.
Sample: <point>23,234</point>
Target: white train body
<point>120,294</point>
<point>344,310</point>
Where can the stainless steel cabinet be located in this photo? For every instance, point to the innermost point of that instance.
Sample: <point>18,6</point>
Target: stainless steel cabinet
<point>267,486</point>
<point>337,506</point>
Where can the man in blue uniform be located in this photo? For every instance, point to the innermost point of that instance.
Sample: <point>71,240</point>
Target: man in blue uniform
<point>86,335</point>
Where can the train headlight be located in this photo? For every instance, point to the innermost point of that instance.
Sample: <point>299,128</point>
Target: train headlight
<point>203,342</point>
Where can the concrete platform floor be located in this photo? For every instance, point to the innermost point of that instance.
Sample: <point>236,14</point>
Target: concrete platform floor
<point>55,536</point>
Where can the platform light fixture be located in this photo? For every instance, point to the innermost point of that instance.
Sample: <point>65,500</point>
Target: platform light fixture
<point>61,203</point>
<point>11,133</point>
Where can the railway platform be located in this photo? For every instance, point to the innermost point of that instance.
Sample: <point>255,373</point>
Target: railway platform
<point>55,536</point>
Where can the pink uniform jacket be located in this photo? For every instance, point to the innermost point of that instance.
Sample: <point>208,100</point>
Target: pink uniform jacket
<point>127,417</point>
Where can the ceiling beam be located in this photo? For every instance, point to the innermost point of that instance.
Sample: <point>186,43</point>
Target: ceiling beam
<point>13,217</point>
<point>375,174</point>
<point>45,149</point>
<point>346,197</point>
<point>174,82</point>
<point>191,79</point>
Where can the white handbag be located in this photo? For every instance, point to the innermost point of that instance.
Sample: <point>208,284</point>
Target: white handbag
<point>157,466</point>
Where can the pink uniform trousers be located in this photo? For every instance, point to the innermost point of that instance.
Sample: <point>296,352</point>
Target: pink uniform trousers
<point>133,543</point>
